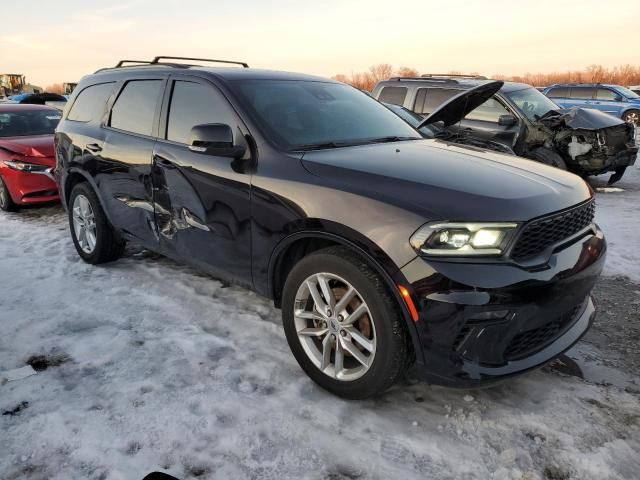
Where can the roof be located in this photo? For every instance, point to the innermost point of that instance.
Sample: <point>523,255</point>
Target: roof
<point>583,85</point>
<point>20,107</point>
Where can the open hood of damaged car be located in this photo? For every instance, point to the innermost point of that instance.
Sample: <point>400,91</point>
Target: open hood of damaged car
<point>456,108</point>
<point>580,118</point>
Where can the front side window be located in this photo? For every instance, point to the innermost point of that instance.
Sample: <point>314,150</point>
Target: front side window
<point>532,103</point>
<point>429,99</point>
<point>582,93</point>
<point>297,114</point>
<point>28,123</point>
<point>90,103</point>
<point>394,95</point>
<point>135,108</point>
<point>195,104</point>
<point>607,95</point>
<point>489,111</point>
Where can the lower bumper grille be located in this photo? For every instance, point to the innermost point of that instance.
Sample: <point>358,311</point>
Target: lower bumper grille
<point>528,342</point>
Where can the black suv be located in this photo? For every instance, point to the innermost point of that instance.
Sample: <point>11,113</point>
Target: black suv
<point>382,249</point>
<point>520,120</point>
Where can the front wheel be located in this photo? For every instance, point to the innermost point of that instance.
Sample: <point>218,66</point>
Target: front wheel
<point>342,325</point>
<point>548,157</point>
<point>93,236</point>
<point>632,117</point>
<point>6,203</point>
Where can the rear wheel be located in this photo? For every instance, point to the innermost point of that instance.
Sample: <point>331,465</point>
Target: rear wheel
<point>342,325</point>
<point>548,157</point>
<point>632,116</point>
<point>6,203</point>
<point>93,236</point>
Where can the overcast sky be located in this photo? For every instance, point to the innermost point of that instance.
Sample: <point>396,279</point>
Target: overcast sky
<point>70,38</point>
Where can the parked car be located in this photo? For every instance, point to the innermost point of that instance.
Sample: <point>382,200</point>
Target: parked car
<point>521,118</point>
<point>26,155</point>
<point>635,89</point>
<point>382,249</point>
<point>615,100</point>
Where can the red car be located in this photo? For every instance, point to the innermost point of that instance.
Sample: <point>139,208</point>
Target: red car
<point>26,155</point>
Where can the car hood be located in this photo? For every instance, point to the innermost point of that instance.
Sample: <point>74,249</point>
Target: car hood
<point>36,146</point>
<point>580,118</point>
<point>445,181</point>
<point>457,107</point>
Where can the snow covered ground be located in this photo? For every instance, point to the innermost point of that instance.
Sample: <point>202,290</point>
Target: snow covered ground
<point>148,365</point>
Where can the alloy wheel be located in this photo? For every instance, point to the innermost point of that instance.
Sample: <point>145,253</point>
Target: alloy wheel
<point>84,224</point>
<point>335,326</point>
<point>3,193</point>
<point>633,118</point>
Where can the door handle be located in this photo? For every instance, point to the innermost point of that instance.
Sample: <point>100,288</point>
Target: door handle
<point>94,147</point>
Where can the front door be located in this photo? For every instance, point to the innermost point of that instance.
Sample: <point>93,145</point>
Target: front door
<point>202,202</point>
<point>482,124</point>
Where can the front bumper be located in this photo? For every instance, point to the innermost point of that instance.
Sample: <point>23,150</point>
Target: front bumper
<point>27,188</point>
<point>482,322</point>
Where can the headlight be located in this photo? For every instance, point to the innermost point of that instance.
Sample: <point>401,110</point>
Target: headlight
<point>24,166</point>
<point>463,239</point>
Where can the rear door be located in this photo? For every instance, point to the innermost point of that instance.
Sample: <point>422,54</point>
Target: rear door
<point>203,202</point>
<point>126,156</point>
<point>560,96</point>
<point>581,97</point>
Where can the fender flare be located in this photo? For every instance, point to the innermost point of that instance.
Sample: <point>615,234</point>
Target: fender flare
<point>388,277</point>
<point>91,181</point>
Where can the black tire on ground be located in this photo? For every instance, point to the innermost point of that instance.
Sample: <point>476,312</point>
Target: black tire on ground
<point>393,350</point>
<point>548,157</point>
<point>109,246</point>
<point>632,116</point>
<point>6,203</point>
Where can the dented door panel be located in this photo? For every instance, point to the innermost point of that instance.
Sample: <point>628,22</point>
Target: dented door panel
<point>203,211</point>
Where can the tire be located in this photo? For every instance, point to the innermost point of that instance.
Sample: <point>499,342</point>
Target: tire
<point>548,157</point>
<point>632,116</point>
<point>6,203</point>
<point>382,325</point>
<point>107,245</point>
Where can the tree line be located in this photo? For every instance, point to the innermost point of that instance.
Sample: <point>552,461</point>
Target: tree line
<point>625,75</point>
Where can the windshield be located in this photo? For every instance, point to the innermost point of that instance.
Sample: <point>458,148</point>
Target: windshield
<point>299,115</point>
<point>531,103</point>
<point>24,124</point>
<point>627,93</point>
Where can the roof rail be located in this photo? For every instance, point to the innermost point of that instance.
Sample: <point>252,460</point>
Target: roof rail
<point>156,60</point>
<point>453,75</point>
<point>441,80</point>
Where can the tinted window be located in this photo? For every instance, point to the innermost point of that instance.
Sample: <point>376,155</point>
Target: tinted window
<point>135,107</point>
<point>30,122</point>
<point>90,103</point>
<point>428,99</point>
<point>582,93</point>
<point>194,104</point>
<point>307,115</point>
<point>395,95</point>
<point>558,92</point>
<point>531,102</point>
<point>606,94</point>
<point>489,111</point>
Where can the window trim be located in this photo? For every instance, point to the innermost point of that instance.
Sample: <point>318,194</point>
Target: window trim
<point>106,121</point>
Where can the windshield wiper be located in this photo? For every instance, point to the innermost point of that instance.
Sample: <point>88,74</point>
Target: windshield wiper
<point>318,146</point>
<point>393,138</point>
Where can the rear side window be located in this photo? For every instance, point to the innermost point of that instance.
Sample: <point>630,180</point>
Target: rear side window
<point>558,92</point>
<point>135,108</point>
<point>606,94</point>
<point>89,105</point>
<point>194,104</point>
<point>582,93</point>
<point>394,95</point>
<point>428,99</point>
<point>489,111</point>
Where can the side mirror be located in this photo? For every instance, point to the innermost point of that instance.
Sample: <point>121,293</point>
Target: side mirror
<point>507,120</point>
<point>214,139</point>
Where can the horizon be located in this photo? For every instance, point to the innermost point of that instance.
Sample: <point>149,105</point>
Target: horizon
<point>341,38</point>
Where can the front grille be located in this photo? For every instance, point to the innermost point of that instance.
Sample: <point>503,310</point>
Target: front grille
<point>529,342</point>
<point>538,235</point>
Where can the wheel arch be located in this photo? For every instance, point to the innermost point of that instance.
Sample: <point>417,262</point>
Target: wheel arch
<point>75,176</point>
<point>299,244</point>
